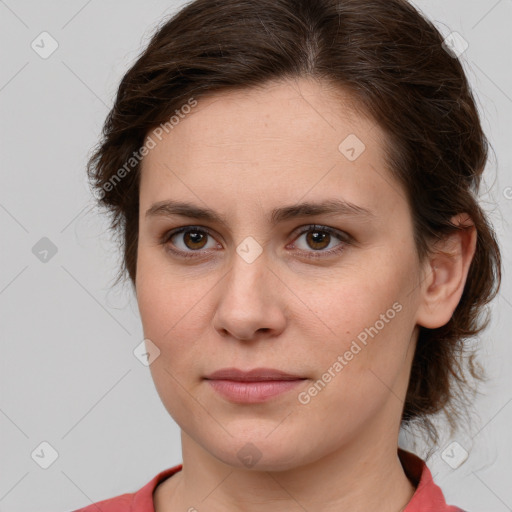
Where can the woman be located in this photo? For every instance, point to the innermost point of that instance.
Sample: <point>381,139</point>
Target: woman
<point>295,185</point>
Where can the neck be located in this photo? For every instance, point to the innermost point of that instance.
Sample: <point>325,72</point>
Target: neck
<point>357,478</point>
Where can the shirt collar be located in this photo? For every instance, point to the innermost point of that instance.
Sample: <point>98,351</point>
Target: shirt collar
<point>428,496</point>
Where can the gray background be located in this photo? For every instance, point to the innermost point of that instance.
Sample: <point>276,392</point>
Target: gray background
<point>68,373</point>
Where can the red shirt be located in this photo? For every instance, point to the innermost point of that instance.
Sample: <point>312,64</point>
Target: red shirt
<point>427,498</point>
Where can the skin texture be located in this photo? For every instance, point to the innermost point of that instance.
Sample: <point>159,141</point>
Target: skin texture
<point>242,154</point>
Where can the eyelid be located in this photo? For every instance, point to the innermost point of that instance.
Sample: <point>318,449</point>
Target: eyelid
<point>320,227</point>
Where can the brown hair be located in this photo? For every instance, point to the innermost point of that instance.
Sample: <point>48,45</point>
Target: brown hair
<point>393,61</point>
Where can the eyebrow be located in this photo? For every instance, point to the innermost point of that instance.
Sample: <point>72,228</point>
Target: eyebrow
<point>340,207</point>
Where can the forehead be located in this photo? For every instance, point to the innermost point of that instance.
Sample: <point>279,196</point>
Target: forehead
<point>274,144</point>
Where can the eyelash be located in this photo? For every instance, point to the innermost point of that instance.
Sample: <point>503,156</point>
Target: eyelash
<point>345,238</point>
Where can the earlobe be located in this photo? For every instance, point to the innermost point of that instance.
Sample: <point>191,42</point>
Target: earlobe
<point>447,270</point>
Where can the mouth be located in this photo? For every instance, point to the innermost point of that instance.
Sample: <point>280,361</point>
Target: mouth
<point>254,375</point>
<point>253,386</point>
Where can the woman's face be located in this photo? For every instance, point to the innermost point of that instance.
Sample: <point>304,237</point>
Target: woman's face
<point>335,305</point>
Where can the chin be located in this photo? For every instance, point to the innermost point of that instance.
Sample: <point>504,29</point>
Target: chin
<point>258,452</point>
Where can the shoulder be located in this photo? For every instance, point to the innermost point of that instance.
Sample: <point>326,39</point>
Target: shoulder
<point>139,501</point>
<point>115,504</point>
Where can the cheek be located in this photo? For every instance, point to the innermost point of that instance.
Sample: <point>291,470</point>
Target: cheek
<point>175,315</point>
<point>363,353</point>
<point>365,316</point>
<point>167,299</point>
<point>169,307</point>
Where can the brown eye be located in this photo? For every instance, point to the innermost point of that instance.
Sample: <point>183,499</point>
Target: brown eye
<point>186,241</point>
<point>194,239</point>
<point>317,239</point>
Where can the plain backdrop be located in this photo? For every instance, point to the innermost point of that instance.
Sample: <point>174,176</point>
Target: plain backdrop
<point>68,375</point>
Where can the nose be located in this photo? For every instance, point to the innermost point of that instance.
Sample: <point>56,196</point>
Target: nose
<point>250,301</point>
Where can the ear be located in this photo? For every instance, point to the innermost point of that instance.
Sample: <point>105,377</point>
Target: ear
<point>446,272</point>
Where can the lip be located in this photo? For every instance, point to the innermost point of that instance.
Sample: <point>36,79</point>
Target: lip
<point>254,375</point>
<point>253,386</point>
